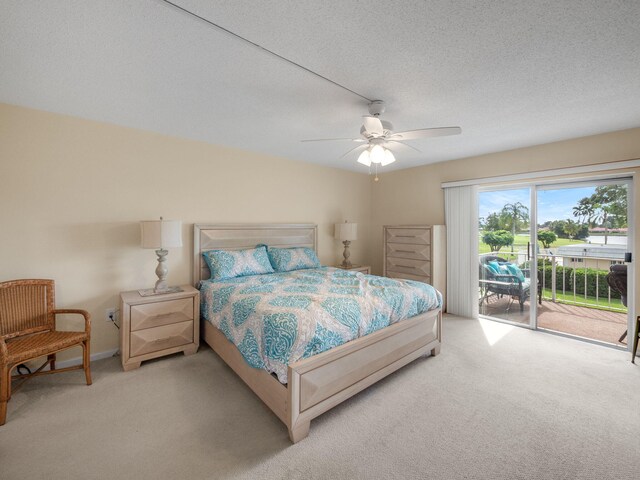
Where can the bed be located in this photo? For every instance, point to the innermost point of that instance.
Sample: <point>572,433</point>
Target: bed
<point>319,382</point>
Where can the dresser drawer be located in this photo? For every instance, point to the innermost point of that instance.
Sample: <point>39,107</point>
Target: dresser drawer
<point>408,250</point>
<point>160,338</point>
<point>161,313</point>
<point>409,276</point>
<point>416,236</point>
<point>408,265</point>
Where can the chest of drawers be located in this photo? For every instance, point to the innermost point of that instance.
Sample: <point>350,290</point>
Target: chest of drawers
<point>416,252</point>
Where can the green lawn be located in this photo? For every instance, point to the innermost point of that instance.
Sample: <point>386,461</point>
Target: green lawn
<point>602,304</point>
<point>521,240</point>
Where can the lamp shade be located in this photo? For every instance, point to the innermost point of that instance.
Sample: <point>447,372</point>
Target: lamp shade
<point>364,158</point>
<point>388,158</point>
<point>377,154</point>
<point>161,233</point>
<point>346,231</point>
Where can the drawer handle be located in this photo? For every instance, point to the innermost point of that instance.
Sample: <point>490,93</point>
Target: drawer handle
<point>160,340</point>
<point>405,251</point>
<point>405,236</point>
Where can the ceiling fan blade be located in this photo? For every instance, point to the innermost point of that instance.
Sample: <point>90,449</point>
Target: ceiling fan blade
<point>396,143</point>
<point>359,147</point>
<point>426,133</point>
<point>373,125</point>
<point>333,139</point>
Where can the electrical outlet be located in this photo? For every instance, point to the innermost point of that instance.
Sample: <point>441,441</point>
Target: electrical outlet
<point>111,314</point>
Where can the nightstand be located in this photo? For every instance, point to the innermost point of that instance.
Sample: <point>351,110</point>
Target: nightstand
<point>366,269</point>
<point>158,325</point>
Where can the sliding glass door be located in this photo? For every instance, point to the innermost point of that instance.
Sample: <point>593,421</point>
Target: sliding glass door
<point>583,232</point>
<point>554,256</point>
<point>505,275</point>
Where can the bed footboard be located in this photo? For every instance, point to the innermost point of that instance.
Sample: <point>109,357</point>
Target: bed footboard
<point>319,383</point>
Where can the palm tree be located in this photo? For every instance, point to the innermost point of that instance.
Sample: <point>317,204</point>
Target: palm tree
<point>515,212</point>
<point>602,216</point>
<point>584,210</point>
<point>571,228</point>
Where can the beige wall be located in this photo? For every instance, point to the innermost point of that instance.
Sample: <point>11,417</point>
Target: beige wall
<point>415,196</point>
<point>73,192</point>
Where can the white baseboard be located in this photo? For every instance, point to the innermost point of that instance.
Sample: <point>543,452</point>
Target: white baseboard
<point>78,360</point>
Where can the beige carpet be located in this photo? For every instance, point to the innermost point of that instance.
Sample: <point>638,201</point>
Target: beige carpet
<point>500,402</point>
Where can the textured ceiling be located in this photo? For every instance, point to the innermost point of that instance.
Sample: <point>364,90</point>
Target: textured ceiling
<point>510,73</point>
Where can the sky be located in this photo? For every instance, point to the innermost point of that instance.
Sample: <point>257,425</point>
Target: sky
<point>552,204</point>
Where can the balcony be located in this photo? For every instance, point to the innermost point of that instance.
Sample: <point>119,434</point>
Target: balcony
<point>575,297</point>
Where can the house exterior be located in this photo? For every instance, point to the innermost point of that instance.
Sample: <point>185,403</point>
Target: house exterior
<point>599,257</point>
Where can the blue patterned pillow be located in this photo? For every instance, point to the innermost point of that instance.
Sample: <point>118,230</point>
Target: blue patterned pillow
<point>225,264</point>
<point>494,267</point>
<point>514,270</point>
<point>288,259</point>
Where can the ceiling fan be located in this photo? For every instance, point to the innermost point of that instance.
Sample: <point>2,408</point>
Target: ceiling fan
<point>378,138</point>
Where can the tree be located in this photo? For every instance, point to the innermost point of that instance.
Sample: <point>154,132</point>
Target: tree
<point>584,210</point>
<point>606,207</point>
<point>514,216</point>
<point>493,222</point>
<point>497,239</point>
<point>557,227</point>
<point>583,232</point>
<point>571,228</point>
<point>547,237</point>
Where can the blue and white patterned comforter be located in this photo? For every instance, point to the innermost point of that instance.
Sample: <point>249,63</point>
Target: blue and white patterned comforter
<point>279,318</point>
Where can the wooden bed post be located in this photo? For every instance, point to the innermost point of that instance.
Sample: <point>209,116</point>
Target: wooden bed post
<point>436,350</point>
<point>298,429</point>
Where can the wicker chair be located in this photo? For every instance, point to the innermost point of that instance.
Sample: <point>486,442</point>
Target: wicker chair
<point>502,284</point>
<point>27,331</point>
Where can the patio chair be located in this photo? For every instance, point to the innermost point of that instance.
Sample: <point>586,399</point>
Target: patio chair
<point>27,331</point>
<point>617,280</point>
<point>503,283</point>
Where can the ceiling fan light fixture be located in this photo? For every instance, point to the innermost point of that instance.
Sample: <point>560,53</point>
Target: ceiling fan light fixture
<point>388,158</point>
<point>365,158</point>
<point>377,154</point>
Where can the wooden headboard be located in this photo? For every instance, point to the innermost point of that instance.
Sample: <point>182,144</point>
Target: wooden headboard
<point>237,237</point>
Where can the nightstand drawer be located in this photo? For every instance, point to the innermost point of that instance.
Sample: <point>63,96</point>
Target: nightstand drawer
<point>160,338</point>
<point>161,313</point>
<point>365,270</point>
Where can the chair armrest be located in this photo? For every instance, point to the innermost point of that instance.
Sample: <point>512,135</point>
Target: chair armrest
<point>84,313</point>
<point>4,355</point>
<point>513,279</point>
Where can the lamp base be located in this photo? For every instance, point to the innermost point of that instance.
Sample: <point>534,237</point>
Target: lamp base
<point>161,271</point>
<point>346,263</point>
